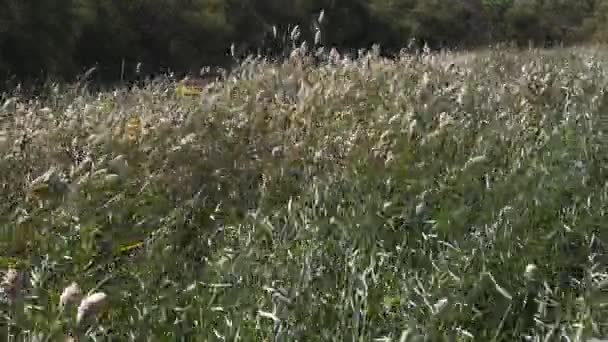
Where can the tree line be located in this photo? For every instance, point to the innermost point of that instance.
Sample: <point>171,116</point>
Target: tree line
<point>60,39</point>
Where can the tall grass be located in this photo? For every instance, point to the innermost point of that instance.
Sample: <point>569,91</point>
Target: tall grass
<point>432,197</point>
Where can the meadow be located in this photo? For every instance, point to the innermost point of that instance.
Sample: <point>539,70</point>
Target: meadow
<point>431,197</point>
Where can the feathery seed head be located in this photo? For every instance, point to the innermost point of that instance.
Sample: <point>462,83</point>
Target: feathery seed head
<point>70,294</point>
<point>11,283</point>
<point>531,272</point>
<point>90,306</point>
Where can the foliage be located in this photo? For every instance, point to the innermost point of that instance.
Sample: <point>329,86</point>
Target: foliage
<point>126,40</point>
<point>38,37</point>
<point>433,197</point>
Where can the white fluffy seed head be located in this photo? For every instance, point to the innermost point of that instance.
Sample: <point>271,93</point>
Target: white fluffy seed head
<point>318,37</point>
<point>90,306</point>
<point>11,283</point>
<point>71,294</point>
<point>11,277</point>
<point>531,272</point>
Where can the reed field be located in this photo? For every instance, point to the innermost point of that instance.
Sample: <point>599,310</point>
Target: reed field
<point>430,197</point>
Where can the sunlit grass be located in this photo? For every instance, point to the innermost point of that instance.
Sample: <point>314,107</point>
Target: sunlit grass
<point>436,196</point>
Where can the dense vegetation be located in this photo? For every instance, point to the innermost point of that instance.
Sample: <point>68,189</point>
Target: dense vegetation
<point>63,38</point>
<point>433,197</point>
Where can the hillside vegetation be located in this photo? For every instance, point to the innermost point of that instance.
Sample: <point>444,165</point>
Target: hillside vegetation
<point>127,40</point>
<point>433,197</point>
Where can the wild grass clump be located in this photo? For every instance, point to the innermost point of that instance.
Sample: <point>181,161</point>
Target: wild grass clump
<point>430,197</point>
